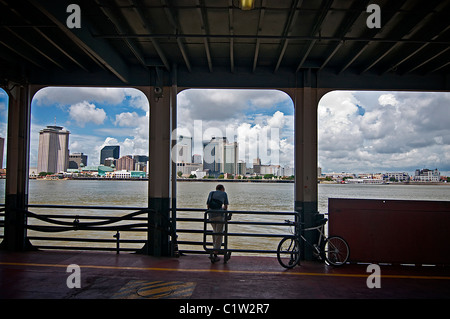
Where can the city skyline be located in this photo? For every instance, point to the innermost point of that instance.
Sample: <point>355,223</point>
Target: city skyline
<point>357,131</point>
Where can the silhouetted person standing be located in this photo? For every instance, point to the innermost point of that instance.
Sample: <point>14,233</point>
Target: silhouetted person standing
<point>217,203</point>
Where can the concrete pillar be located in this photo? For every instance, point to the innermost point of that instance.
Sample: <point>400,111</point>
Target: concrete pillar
<point>16,192</point>
<point>162,110</point>
<point>305,156</point>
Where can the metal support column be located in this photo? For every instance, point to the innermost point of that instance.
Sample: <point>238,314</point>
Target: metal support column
<point>306,190</point>
<point>162,108</point>
<point>16,193</point>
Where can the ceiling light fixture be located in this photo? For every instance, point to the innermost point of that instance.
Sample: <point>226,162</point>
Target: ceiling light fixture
<point>246,4</point>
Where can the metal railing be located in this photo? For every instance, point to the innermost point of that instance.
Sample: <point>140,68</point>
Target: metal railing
<point>136,222</point>
<point>105,232</point>
<point>242,236</point>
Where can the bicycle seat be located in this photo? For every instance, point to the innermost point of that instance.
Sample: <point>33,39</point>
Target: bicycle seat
<point>322,222</point>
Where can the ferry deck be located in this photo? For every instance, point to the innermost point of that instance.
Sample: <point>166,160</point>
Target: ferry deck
<point>44,275</point>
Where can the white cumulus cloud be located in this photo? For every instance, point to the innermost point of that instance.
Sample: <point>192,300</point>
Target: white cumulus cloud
<point>85,112</point>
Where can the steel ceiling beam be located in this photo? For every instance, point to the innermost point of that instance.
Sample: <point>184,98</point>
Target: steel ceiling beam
<point>231,30</point>
<point>355,11</point>
<point>98,49</point>
<point>43,35</point>
<point>423,46</point>
<point>396,65</point>
<point>269,37</point>
<point>428,60</point>
<point>138,8</point>
<point>262,11</point>
<point>171,17</point>
<point>115,20</point>
<point>296,4</point>
<point>422,21</point>
<point>35,48</point>
<point>22,54</point>
<point>316,28</point>
<point>388,15</point>
<point>205,30</point>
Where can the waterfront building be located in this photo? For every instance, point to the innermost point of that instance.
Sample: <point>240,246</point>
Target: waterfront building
<point>104,170</point>
<point>340,176</point>
<point>270,169</point>
<point>364,181</point>
<point>187,168</point>
<point>53,152</point>
<point>121,174</point>
<point>396,177</point>
<point>109,151</point>
<point>200,174</point>
<point>427,175</point>
<point>288,171</point>
<point>76,159</point>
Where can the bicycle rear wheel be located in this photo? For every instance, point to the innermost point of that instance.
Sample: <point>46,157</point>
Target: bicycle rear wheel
<point>335,251</point>
<point>288,252</point>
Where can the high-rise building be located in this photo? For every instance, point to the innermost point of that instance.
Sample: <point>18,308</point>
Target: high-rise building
<point>125,163</point>
<point>197,158</point>
<point>231,158</point>
<point>213,155</point>
<point>257,165</point>
<point>184,149</point>
<point>53,153</point>
<point>109,151</point>
<point>76,159</point>
<point>140,163</point>
<point>220,156</point>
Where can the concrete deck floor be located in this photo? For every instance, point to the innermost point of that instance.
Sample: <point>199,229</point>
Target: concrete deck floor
<point>193,280</point>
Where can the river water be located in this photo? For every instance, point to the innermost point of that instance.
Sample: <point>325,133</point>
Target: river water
<point>242,196</point>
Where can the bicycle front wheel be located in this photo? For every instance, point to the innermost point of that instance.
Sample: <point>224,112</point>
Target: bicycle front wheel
<point>335,251</point>
<point>288,252</point>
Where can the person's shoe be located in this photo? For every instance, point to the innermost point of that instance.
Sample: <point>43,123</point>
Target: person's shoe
<point>214,258</point>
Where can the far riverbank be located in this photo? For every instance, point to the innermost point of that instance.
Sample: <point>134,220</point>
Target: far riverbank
<point>217,180</point>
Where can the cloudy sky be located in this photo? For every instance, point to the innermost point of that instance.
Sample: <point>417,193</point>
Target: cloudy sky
<point>384,132</point>
<point>359,132</point>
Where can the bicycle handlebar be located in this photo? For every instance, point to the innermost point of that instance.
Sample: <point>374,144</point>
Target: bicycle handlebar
<point>291,223</point>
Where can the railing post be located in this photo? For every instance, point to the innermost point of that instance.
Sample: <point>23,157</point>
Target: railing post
<point>117,237</point>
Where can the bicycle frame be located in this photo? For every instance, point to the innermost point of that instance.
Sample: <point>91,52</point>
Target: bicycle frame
<point>320,229</point>
<point>334,250</point>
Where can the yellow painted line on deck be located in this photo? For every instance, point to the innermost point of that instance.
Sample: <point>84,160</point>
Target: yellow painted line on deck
<point>228,271</point>
<point>139,289</point>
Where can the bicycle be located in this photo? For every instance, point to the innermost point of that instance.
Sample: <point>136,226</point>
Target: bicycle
<point>334,250</point>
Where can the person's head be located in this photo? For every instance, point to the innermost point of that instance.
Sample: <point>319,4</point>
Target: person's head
<point>220,188</point>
